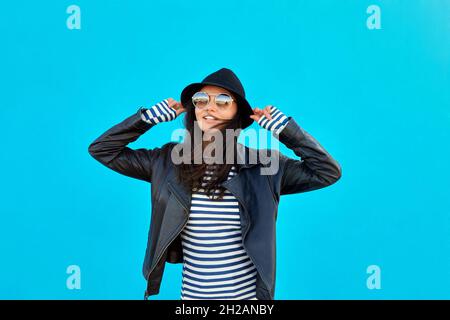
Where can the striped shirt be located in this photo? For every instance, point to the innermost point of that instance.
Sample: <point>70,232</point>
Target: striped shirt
<point>216,265</point>
<point>277,123</point>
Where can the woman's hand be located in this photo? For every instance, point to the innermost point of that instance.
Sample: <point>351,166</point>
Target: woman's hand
<point>177,106</point>
<point>258,113</point>
<point>166,110</point>
<point>270,118</point>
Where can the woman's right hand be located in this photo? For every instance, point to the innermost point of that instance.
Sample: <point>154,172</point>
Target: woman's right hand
<point>164,111</point>
<point>177,106</point>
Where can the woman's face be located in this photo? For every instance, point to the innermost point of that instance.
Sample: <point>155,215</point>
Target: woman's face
<point>212,110</point>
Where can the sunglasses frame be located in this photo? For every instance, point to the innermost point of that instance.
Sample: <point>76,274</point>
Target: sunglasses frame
<point>209,99</point>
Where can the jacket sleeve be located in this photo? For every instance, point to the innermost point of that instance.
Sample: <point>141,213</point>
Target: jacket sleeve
<point>111,149</point>
<point>316,168</point>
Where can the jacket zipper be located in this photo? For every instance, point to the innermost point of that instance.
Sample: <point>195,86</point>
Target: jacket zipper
<point>174,237</point>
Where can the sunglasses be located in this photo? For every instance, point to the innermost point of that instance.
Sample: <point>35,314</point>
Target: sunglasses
<point>201,99</point>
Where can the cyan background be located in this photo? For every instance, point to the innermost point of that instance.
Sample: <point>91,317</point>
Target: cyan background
<point>377,100</point>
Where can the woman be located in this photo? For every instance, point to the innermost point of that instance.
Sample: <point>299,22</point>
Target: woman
<point>217,215</point>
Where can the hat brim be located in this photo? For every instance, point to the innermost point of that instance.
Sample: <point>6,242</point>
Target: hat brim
<point>243,105</point>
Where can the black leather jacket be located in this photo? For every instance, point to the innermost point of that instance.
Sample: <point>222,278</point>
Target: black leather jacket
<point>258,194</point>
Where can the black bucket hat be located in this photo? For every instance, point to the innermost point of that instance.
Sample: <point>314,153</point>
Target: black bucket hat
<point>227,79</point>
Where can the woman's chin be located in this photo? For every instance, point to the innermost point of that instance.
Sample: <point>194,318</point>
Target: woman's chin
<point>208,128</point>
<point>210,131</point>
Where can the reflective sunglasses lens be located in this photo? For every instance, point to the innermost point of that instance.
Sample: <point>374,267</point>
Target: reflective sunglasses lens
<point>200,99</point>
<point>223,100</point>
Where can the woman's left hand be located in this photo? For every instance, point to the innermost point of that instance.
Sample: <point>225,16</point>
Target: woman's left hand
<point>258,113</point>
<point>270,118</point>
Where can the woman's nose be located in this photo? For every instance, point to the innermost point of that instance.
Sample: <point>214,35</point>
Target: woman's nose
<point>210,105</point>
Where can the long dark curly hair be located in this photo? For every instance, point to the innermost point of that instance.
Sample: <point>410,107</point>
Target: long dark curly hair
<point>191,174</point>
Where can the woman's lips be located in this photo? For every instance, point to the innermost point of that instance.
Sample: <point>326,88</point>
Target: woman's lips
<point>210,120</point>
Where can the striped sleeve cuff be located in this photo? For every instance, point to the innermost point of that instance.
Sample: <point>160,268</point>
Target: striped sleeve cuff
<point>278,122</point>
<point>160,112</point>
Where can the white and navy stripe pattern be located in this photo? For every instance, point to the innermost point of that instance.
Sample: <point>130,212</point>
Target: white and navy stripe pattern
<point>278,122</point>
<point>160,112</point>
<point>216,265</point>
